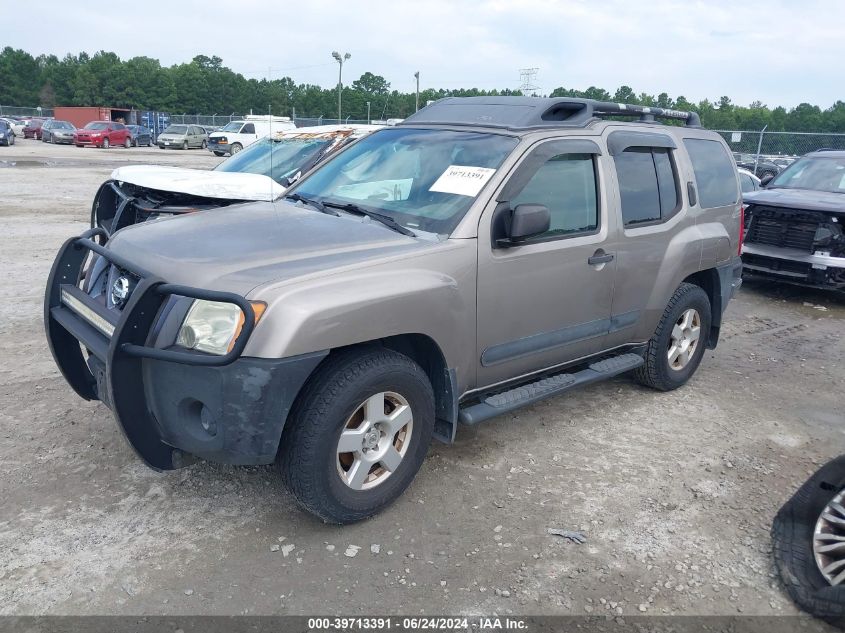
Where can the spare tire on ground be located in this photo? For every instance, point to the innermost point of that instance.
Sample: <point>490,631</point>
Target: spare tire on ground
<point>808,541</point>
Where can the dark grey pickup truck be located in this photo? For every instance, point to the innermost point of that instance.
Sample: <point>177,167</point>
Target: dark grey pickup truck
<point>482,255</point>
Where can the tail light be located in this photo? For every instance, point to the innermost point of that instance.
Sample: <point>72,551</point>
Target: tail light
<point>742,208</point>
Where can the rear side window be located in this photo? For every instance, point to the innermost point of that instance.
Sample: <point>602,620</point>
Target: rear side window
<point>566,184</point>
<point>715,172</point>
<point>647,185</point>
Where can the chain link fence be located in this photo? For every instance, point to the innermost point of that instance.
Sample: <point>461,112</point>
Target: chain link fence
<point>765,152</point>
<point>25,112</point>
<point>218,120</point>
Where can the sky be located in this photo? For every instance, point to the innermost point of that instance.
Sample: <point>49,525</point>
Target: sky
<point>780,52</point>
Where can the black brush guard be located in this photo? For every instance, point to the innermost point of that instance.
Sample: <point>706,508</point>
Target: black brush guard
<point>120,386</point>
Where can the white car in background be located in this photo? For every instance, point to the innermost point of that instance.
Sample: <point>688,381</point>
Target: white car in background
<point>748,182</point>
<point>261,172</point>
<point>16,125</point>
<point>236,135</point>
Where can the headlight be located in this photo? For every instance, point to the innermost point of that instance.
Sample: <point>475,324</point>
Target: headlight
<point>213,326</point>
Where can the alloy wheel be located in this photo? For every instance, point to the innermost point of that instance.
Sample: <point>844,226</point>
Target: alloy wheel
<point>374,440</point>
<point>829,540</point>
<point>684,339</point>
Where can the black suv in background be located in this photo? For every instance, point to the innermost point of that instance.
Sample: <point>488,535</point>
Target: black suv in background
<point>795,225</point>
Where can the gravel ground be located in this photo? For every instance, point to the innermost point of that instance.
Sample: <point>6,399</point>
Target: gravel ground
<point>675,492</point>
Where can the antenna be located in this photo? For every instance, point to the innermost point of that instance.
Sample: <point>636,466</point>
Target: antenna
<point>527,76</point>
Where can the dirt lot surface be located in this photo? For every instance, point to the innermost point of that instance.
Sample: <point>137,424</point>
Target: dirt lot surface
<point>675,492</point>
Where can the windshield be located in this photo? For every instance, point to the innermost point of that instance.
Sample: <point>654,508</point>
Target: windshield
<point>278,159</point>
<point>97,125</point>
<point>423,179</point>
<point>234,126</point>
<point>819,174</point>
<point>64,125</point>
<point>176,129</point>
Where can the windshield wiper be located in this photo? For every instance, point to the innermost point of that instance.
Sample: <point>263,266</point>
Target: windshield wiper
<point>311,202</point>
<point>389,222</point>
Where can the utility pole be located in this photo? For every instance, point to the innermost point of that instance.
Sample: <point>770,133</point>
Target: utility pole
<point>340,61</point>
<point>526,80</point>
<point>368,112</point>
<point>417,100</point>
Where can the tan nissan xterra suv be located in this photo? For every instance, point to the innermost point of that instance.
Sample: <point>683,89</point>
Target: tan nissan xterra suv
<point>480,256</point>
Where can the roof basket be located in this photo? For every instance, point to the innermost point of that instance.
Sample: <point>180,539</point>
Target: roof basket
<point>521,113</point>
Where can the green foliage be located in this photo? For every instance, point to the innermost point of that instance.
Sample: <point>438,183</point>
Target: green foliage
<point>205,86</point>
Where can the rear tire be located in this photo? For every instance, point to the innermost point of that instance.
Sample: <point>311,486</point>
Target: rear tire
<point>204,144</point>
<point>672,356</point>
<point>343,397</point>
<point>219,153</point>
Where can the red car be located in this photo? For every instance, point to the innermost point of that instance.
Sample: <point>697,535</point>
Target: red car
<point>32,129</point>
<point>103,134</point>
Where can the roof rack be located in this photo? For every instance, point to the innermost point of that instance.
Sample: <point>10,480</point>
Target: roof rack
<point>523,113</point>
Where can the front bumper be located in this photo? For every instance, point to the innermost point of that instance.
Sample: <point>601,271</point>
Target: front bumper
<point>96,142</point>
<point>794,265</point>
<point>213,146</point>
<point>171,404</point>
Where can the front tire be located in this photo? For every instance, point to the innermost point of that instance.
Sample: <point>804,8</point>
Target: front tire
<point>677,347</point>
<point>106,143</point>
<point>185,145</point>
<point>358,434</point>
<point>127,143</point>
<point>236,147</point>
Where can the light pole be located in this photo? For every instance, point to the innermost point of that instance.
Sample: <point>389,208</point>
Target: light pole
<point>340,61</point>
<point>417,100</point>
<point>368,112</point>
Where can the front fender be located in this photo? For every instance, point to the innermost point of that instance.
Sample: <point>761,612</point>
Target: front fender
<point>369,305</point>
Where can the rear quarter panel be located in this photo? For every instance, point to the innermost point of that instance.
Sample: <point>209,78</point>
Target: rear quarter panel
<point>654,260</point>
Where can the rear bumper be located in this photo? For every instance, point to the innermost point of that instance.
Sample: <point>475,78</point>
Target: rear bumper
<point>794,266</point>
<point>171,404</point>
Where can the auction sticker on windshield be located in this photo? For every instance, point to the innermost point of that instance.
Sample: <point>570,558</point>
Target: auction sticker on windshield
<point>462,180</point>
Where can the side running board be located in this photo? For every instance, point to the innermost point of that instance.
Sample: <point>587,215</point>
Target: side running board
<point>506,401</point>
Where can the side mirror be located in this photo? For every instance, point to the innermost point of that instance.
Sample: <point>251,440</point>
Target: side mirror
<point>765,180</point>
<point>528,220</point>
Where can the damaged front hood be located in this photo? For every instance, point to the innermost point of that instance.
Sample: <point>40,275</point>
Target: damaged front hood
<point>239,247</point>
<point>198,182</point>
<point>805,199</point>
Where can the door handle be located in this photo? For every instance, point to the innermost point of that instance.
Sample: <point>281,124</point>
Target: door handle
<point>599,257</point>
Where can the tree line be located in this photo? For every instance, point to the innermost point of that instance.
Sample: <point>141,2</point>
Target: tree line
<point>205,86</point>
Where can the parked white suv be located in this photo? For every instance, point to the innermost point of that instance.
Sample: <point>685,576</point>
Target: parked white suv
<point>236,135</point>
